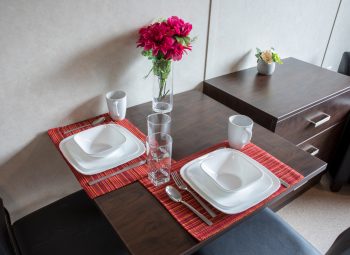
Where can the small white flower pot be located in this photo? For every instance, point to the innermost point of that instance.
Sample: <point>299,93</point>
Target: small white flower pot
<point>265,68</point>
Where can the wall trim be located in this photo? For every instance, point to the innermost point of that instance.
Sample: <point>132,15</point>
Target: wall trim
<point>207,42</point>
<point>330,35</point>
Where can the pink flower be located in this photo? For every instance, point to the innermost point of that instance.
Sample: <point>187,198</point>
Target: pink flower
<point>176,52</point>
<point>156,38</point>
<point>179,27</point>
<point>161,39</point>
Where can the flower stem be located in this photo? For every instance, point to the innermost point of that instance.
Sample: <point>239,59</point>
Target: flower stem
<point>162,86</point>
<point>161,68</point>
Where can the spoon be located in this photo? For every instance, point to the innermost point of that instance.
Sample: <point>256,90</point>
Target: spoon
<point>94,123</point>
<point>175,195</point>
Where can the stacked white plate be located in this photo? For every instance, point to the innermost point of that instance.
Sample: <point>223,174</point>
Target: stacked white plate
<point>100,148</point>
<point>229,180</point>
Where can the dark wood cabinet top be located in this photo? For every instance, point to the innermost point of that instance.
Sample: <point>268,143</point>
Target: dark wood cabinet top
<point>294,86</point>
<point>197,123</point>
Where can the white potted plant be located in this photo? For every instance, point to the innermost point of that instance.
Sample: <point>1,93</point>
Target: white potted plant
<point>266,61</point>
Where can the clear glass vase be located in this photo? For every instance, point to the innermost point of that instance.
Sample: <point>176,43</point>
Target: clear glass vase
<point>162,99</point>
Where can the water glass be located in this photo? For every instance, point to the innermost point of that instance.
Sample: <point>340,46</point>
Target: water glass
<point>159,147</point>
<point>158,123</point>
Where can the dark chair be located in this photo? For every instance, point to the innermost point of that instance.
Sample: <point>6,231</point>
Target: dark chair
<point>266,233</point>
<point>71,225</point>
<point>344,66</point>
<point>341,245</point>
<point>339,168</point>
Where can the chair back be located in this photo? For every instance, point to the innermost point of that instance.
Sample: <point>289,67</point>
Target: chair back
<point>6,237</point>
<point>344,66</point>
<point>341,245</point>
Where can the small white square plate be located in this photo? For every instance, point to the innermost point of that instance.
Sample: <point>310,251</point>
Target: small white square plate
<point>228,202</point>
<point>231,170</point>
<point>87,165</point>
<point>100,141</point>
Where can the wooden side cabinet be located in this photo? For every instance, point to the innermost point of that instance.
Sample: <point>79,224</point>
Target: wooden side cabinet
<point>303,103</point>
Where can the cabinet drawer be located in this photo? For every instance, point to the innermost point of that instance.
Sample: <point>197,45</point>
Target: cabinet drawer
<point>324,144</point>
<point>314,120</point>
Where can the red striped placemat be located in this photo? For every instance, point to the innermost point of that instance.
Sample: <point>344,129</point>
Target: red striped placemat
<point>112,183</point>
<point>195,226</point>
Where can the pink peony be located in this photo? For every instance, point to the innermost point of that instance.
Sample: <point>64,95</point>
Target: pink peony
<point>179,27</point>
<point>176,52</point>
<point>155,37</point>
<point>161,38</point>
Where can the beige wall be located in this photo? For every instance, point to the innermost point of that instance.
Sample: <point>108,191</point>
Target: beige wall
<point>58,58</point>
<point>295,28</point>
<point>340,39</point>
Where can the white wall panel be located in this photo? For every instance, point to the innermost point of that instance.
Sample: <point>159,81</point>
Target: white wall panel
<point>295,28</point>
<point>340,39</point>
<point>57,59</point>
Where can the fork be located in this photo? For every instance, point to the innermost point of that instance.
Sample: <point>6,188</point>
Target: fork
<point>181,185</point>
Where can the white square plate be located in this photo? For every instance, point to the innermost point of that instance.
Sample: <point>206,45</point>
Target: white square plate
<point>228,202</point>
<point>100,141</point>
<point>88,165</point>
<point>231,170</point>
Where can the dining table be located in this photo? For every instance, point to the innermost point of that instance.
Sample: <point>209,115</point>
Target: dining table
<point>198,122</point>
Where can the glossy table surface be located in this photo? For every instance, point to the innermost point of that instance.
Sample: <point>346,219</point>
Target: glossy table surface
<point>197,123</point>
<point>293,87</point>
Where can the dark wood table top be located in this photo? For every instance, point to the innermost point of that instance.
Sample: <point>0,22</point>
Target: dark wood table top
<point>295,85</point>
<point>197,123</point>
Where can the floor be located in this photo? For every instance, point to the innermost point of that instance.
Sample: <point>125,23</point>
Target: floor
<point>319,215</point>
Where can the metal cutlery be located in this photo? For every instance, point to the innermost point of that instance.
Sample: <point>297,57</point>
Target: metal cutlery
<point>181,185</point>
<point>139,163</point>
<point>175,195</point>
<point>284,183</point>
<point>94,123</point>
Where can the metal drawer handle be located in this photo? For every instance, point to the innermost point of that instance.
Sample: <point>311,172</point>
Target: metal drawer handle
<point>319,119</point>
<point>311,149</point>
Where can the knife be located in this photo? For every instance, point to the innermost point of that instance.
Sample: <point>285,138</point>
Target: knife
<point>140,163</point>
<point>284,183</point>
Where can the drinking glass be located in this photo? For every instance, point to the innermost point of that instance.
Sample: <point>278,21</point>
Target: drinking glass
<point>158,123</point>
<point>159,148</point>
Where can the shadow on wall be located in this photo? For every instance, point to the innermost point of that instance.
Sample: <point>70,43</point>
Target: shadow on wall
<point>107,64</point>
<point>199,87</point>
<point>34,177</point>
<point>38,175</point>
<point>90,108</point>
<point>241,63</point>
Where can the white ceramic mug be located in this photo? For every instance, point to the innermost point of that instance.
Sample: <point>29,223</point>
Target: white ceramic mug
<point>240,129</point>
<point>116,102</point>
